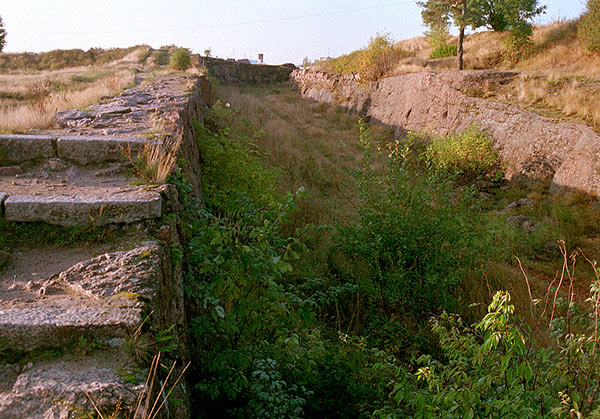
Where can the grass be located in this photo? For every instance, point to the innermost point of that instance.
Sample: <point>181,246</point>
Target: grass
<point>314,146</point>
<point>157,160</point>
<point>43,95</point>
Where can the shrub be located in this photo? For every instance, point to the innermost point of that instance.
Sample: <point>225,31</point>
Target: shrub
<point>407,250</point>
<point>469,154</point>
<point>371,62</point>
<point>495,369</point>
<point>444,51</point>
<point>588,29</point>
<point>180,59</point>
<point>517,45</point>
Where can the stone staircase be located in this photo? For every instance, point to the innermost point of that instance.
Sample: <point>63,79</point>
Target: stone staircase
<point>71,316</point>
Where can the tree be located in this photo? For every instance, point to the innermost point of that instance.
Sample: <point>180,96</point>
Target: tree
<point>208,52</point>
<point>499,15</point>
<point>588,29</point>
<point>2,35</point>
<point>503,15</point>
<point>437,13</point>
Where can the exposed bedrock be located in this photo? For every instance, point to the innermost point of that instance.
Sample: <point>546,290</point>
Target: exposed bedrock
<point>439,102</point>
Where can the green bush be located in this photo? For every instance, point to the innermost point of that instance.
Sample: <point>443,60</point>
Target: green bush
<point>180,59</point>
<point>411,242</point>
<point>469,154</point>
<point>495,369</point>
<point>228,147</point>
<point>588,29</point>
<point>444,51</point>
<point>517,45</point>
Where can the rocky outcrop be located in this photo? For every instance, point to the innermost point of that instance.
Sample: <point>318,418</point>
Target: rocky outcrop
<point>442,102</point>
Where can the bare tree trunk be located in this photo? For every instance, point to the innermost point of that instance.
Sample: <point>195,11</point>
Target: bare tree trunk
<point>461,36</point>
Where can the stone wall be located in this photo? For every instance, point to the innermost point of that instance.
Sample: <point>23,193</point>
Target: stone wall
<point>80,174</point>
<point>442,102</point>
<point>232,72</point>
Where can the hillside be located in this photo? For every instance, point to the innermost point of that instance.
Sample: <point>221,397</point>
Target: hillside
<point>559,78</point>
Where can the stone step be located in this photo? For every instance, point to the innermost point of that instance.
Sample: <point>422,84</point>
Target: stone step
<point>26,329</point>
<point>82,210</point>
<point>100,298</point>
<point>66,388</point>
<point>20,148</point>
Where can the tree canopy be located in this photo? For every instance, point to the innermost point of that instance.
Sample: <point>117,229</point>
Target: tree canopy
<point>503,15</point>
<point>2,35</point>
<point>498,15</point>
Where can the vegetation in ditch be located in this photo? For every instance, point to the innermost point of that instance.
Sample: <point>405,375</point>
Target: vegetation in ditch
<point>333,321</point>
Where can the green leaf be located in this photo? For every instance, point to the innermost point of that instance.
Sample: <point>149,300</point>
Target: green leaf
<point>220,311</point>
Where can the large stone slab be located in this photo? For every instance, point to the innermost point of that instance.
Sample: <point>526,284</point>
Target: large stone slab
<point>134,272</point>
<point>19,148</point>
<point>63,389</point>
<point>83,210</point>
<point>31,328</point>
<point>86,150</point>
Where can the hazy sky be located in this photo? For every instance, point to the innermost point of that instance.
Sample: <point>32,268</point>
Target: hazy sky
<point>285,31</point>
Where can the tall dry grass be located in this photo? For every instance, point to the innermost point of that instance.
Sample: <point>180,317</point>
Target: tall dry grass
<point>39,112</point>
<point>555,94</point>
<point>314,145</point>
<point>157,159</point>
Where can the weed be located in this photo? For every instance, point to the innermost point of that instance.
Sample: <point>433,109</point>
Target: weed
<point>469,154</point>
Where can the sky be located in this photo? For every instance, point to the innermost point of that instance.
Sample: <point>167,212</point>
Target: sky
<point>282,30</point>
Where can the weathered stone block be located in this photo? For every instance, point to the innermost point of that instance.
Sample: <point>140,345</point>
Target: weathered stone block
<point>86,150</point>
<point>19,148</point>
<point>70,211</point>
<point>60,389</point>
<point>32,328</point>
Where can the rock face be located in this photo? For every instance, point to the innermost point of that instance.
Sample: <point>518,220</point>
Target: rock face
<point>439,102</point>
